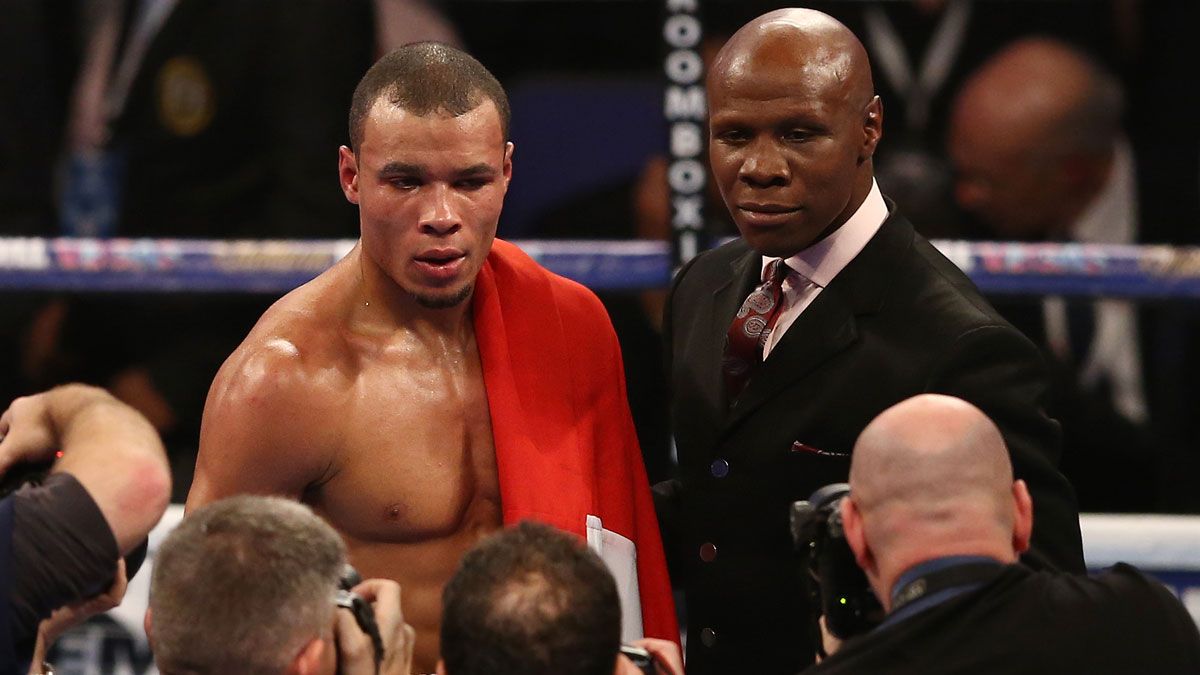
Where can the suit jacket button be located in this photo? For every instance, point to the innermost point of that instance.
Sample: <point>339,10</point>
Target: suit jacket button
<point>708,637</point>
<point>719,468</point>
<point>708,552</point>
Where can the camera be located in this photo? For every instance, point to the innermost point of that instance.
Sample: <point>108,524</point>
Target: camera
<point>22,474</point>
<point>640,658</point>
<point>836,585</point>
<point>360,608</point>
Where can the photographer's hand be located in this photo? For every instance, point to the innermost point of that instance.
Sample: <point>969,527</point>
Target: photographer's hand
<point>69,616</point>
<point>829,642</point>
<point>27,433</point>
<point>667,658</point>
<point>355,653</point>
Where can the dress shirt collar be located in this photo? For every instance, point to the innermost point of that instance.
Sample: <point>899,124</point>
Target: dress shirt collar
<point>1111,217</point>
<point>822,261</point>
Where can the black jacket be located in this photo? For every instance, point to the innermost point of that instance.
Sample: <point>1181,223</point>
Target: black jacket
<point>1036,622</point>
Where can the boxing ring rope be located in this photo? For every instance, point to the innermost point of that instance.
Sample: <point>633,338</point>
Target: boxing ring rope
<point>277,266</point>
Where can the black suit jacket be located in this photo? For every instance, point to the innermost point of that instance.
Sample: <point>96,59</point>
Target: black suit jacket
<point>1036,623</point>
<point>899,320</point>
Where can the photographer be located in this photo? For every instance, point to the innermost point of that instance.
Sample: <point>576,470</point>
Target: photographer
<point>533,600</point>
<point>106,484</point>
<point>251,585</point>
<point>936,522</point>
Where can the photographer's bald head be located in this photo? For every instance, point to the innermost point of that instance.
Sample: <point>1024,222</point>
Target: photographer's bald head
<point>931,477</point>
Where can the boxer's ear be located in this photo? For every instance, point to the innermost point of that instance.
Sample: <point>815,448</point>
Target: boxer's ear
<point>348,173</point>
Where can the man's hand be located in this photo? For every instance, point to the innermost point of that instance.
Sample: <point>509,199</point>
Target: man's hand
<point>668,660</point>
<point>27,433</point>
<point>356,656</point>
<point>66,618</point>
<point>829,642</point>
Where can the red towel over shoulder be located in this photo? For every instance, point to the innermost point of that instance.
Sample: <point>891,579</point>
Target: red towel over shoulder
<point>565,442</point>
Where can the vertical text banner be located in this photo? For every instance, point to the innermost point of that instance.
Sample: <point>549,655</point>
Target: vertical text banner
<point>685,109</point>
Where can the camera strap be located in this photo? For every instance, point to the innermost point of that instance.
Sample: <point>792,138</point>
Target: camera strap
<point>963,577</point>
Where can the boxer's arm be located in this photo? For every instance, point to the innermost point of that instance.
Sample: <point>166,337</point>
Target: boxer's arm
<point>262,430</point>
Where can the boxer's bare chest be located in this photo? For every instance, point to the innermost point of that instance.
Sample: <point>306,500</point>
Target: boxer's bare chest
<point>416,459</point>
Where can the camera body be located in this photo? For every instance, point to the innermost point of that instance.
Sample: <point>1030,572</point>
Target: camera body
<point>364,615</point>
<point>834,582</point>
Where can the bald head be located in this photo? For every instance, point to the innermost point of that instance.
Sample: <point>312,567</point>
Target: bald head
<point>814,45</point>
<point>927,442</point>
<point>1042,91</point>
<point>930,477</point>
<point>932,462</point>
<point>1032,134</point>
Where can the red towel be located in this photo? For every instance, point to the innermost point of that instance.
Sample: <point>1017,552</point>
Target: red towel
<point>565,442</point>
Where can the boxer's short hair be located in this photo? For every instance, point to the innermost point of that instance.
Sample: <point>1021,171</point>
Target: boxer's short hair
<point>426,78</point>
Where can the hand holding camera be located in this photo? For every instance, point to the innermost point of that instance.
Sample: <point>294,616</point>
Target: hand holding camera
<point>651,656</point>
<point>838,589</point>
<point>356,648</point>
<point>27,435</point>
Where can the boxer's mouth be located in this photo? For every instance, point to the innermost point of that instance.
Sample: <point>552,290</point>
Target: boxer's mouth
<point>441,256</point>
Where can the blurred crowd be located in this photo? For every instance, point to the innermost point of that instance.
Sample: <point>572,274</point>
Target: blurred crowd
<point>1051,120</point>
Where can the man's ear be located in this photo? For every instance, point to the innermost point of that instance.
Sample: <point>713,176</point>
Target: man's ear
<point>852,524</point>
<point>872,129</point>
<point>309,660</point>
<point>508,156</point>
<point>348,173</point>
<point>441,666</point>
<point>1022,517</point>
<point>147,625</point>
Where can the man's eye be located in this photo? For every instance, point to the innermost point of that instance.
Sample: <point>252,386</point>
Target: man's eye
<point>733,136</point>
<point>473,184</point>
<point>406,183</point>
<point>797,136</point>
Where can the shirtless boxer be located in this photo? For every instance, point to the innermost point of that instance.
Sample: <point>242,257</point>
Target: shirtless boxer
<point>396,392</point>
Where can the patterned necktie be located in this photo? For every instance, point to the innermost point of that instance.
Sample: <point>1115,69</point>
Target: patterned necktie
<point>750,330</point>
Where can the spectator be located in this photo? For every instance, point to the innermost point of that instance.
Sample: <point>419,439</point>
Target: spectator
<point>247,585</point>
<point>60,542</point>
<point>1040,154</point>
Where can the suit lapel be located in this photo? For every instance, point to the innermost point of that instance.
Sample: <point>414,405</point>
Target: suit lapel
<point>830,324</point>
<point>826,327</point>
<point>745,274</point>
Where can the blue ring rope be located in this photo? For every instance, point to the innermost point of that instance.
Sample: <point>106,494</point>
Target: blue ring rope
<point>277,266</point>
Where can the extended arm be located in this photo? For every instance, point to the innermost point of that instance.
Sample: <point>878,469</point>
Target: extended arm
<point>108,447</point>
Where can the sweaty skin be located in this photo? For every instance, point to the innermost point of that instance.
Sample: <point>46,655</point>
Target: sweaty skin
<point>361,393</point>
